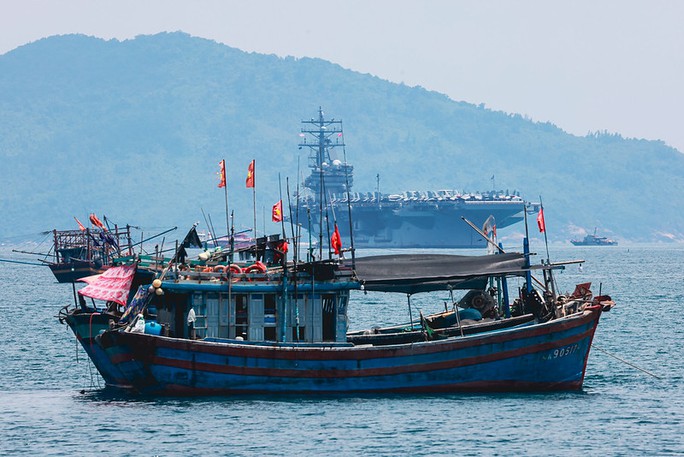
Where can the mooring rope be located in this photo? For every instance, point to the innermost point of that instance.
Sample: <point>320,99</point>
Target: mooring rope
<point>624,361</point>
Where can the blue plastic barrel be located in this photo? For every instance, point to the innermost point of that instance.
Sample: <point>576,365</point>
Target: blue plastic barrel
<point>153,328</point>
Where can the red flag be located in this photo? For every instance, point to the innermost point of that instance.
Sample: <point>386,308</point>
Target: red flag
<point>250,175</point>
<point>336,241</point>
<point>540,220</point>
<point>222,174</point>
<point>277,214</point>
<point>96,222</point>
<point>80,226</point>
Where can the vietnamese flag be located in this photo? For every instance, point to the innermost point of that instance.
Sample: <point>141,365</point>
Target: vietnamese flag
<point>540,220</point>
<point>222,174</point>
<point>249,182</point>
<point>336,241</point>
<point>277,213</point>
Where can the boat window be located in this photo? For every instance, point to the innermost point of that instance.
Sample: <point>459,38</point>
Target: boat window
<point>302,334</point>
<point>241,316</point>
<point>270,317</point>
<point>223,310</point>
<point>200,307</point>
<point>342,305</point>
<point>209,320</point>
<point>329,317</point>
<point>297,314</point>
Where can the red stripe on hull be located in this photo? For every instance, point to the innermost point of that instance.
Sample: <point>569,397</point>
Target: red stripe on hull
<point>341,373</point>
<point>355,353</point>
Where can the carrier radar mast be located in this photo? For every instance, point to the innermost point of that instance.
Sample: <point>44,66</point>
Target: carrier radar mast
<point>329,175</point>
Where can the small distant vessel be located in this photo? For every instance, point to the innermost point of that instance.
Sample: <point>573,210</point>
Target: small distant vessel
<point>593,240</point>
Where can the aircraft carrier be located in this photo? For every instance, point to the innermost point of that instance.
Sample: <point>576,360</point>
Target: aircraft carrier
<point>411,219</point>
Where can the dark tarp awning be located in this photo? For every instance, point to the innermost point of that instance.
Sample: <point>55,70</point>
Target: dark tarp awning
<point>412,273</point>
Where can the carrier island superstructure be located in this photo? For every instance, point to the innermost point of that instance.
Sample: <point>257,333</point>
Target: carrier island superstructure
<point>423,219</point>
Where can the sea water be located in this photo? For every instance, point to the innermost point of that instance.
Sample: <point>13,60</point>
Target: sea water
<point>52,400</point>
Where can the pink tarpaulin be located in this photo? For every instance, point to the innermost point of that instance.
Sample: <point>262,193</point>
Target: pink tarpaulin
<point>112,285</point>
<point>90,279</point>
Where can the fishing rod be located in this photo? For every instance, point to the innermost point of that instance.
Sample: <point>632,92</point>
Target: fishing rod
<point>349,210</point>
<point>207,222</point>
<point>22,262</point>
<point>232,231</point>
<point>299,228</point>
<point>175,255</point>
<point>292,230</point>
<point>501,251</point>
<point>32,253</point>
<point>546,242</point>
<point>211,227</point>
<point>295,242</point>
<point>483,235</point>
<point>284,263</point>
<point>332,209</point>
<point>153,237</point>
<point>328,206</point>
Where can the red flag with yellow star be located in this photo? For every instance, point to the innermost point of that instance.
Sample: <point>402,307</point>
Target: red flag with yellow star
<point>277,213</point>
<point>250,175</point>
<point>222,174</point>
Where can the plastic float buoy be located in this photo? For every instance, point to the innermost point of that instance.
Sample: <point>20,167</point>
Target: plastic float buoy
<point>257,267</point>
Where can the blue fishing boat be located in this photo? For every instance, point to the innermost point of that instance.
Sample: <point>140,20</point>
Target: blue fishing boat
<point>265,325</point>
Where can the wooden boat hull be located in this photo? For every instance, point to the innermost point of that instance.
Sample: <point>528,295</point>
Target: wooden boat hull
<point>403,334</point>
<point>548,356</point>
<point>73,271</point>
<point>86,326</point>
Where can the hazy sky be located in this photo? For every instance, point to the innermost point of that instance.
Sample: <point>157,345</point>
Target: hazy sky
<point>584,65</point>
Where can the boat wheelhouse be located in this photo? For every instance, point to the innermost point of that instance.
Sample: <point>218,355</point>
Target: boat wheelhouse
<point>79,253</point>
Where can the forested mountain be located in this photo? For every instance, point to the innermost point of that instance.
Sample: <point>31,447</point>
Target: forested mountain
<point>135,129</point>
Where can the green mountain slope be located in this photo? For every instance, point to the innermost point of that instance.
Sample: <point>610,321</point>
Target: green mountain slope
<point>135,130</point>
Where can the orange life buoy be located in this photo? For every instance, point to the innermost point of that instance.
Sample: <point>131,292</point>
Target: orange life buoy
<point>220,268</point>
<point>257,267</point>
<point>235,272</point>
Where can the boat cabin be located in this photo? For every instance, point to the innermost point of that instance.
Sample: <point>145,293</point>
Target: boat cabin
<point>253,307</point>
